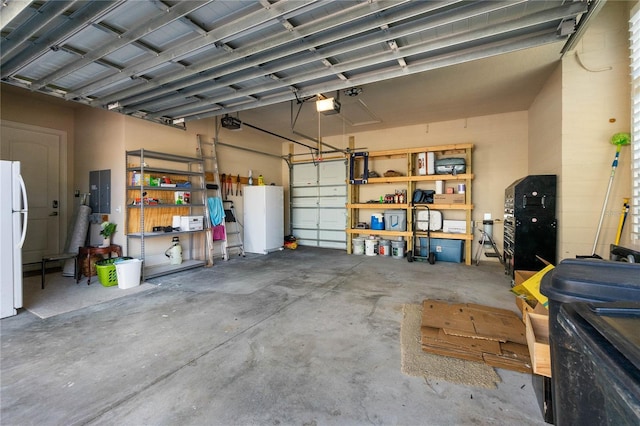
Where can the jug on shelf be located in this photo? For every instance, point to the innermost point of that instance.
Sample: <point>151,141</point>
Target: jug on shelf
<point>174,253</point>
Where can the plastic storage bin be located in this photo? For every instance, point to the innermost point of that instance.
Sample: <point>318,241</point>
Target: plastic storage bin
<point>395,220</point>
<point>447,250</point>
<point>106,271</point>
<point>128,272</point>
<point>597,370</point>
<point>582,280</point>
<point>377,221</point>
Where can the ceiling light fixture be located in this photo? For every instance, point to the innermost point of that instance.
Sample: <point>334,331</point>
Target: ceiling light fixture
<point>328,106</point>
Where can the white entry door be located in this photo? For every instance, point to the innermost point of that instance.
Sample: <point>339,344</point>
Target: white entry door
<point>38,150</point>
<point>318,203</point>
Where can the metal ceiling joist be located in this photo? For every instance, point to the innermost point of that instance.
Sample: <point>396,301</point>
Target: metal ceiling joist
<point>282,60</point>
<point>174,13</point>
<point>245,53</point>
<point>212,37</point>
<point>9,9</point>
<point>89,12</point>
<point>47,13</point>
<point>396,54</point>
<point>431,64</point>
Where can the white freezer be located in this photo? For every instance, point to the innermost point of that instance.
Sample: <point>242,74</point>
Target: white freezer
<point>263,218</point>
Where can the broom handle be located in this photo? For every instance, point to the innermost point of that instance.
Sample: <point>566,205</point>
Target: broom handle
<point>606,198</point>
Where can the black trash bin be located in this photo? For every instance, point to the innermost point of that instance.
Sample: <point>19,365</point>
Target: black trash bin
<point>581,280</point>
<point>597,371</point>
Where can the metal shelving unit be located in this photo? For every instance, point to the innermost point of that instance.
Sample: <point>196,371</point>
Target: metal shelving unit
<point>150,206</point>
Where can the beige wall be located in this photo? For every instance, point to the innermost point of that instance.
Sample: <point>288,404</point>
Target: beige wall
<point>500,156</point>
<point>565,132</point>
<point>595,105</point>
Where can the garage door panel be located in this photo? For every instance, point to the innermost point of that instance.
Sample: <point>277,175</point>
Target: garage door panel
<point>304,191</point>
<point>307,234</point>
<point>332,202</point>
<point>305,174</point>
<point>305,218</point>
<point>333,219</point>
<point>335,236</point>
<point>304,202</point>
<point>333,172</point>
<point>333,191</point>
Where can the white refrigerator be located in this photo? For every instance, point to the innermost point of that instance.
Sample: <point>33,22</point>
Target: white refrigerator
<point>263,218</point>
<point>13,229</point>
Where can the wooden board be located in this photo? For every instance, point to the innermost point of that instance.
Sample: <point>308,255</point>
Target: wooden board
<point>537,327</point>
<point>440,314</point>
<point>437,337</point>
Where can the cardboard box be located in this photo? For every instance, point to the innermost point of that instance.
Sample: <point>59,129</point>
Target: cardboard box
<point>182,197</point>
<point>537,329</point>
<point>449,199</point>
<point>527,304</point>
<point>454,226</point>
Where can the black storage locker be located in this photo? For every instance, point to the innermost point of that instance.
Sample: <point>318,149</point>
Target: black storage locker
<point>530,224</point>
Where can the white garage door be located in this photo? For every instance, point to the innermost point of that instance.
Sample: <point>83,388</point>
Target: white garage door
<point>318,203</point>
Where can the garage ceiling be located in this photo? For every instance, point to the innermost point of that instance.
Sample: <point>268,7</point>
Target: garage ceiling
<point>176,61</point>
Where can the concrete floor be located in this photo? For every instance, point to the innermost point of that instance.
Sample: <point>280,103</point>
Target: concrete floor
<point>304,337</point>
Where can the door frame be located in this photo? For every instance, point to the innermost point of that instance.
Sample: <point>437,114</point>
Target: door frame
<point>63,176</point>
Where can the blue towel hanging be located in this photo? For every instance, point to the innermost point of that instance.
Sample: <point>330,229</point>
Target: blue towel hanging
<point>216,211</point>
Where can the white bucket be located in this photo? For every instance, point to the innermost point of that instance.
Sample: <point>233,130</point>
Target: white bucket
<point>358,245</point>
<point>384,248</point>
<point>397,249</point>
<point>371,247</point>
<point>128,273</point>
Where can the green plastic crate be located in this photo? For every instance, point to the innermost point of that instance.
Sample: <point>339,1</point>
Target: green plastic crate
<point>106,270</point>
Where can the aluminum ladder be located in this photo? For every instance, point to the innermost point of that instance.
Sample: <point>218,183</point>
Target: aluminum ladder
<point>208,152</point>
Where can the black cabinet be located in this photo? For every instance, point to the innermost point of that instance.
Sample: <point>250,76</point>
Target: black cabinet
<point>530,224</point>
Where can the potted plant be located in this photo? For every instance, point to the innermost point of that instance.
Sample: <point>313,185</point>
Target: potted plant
<point>107,230</point>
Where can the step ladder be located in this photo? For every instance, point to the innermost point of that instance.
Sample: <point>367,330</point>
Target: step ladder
<point>486,241</point>
<point>232,228</point>
<point>233,237</point>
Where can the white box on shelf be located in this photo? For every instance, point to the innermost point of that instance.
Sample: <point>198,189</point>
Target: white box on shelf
<point>191,223</point>
<point>454,226</point>
<point>431,163</point>
<point>422,163</point>
<point>176,222</point>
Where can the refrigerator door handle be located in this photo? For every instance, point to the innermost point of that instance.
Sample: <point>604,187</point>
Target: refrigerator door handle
<point>24,210</point>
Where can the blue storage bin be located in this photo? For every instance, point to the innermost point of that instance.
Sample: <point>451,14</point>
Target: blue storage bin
<point>448,250</point>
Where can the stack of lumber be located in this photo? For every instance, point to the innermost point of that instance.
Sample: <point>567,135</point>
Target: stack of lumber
<point>494,336</point>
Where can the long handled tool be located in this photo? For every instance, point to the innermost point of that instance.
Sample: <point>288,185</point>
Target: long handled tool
<point>623,219</point>
<point>619,140</point>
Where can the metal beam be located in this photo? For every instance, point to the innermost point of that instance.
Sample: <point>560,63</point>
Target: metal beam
<point>277,59</point>
<point>47,13</point>
<point>9,9</point>
<point>430,46</point>
<point>235,71</point>
<point>78,20</point>
<point>182,50</point>
<point>174,13</point>
<point>426,65</point>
